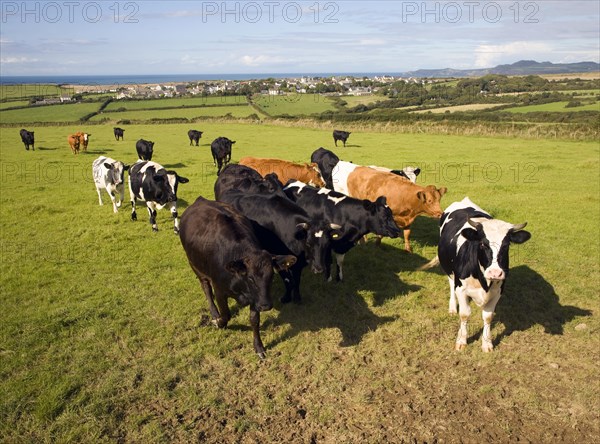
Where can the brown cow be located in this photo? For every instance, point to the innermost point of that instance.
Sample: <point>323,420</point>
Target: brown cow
<point>84,139</point>
<point>74,142</point>
<point>285,170</point>
<point>406,199</point>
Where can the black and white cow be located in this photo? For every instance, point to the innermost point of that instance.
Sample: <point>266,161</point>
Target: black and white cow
<point>194,136</point>
<point>340,135</point>
<point>285,228</point>
<point>150,182</point>
<point>326,161</point>
<point>229,261</point>
<point>474,251</point>
<point>109,175</point>
<point>355,216</point>
<point>144,149</point>
<point>221,152</point>
<point>118,133</point>
<point>28,139</point>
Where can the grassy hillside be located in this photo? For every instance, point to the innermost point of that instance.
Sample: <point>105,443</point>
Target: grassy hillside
<point>103,334</point>
<point>293,104</point>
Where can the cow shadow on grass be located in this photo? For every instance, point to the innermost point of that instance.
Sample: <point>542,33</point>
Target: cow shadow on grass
<point>174,165</point>
<point>45,148</point>
<point>369,275</point>
<point>528,300</point>
<point>98,152</point>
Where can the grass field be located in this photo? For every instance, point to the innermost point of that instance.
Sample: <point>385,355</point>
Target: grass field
<point>459,108</point>
<point>186,113</point>
<point>71,112</point>
<point>553,107</point>
<point>293,104</point>
<point>176,102</point>
<point>103,335</point>
<point>19,92</point>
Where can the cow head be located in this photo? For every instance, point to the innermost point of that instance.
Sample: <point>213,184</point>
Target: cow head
<point>494,237</point>
<point>166,183</point>
<point>430,200</point>
<point>116,172</point>
<point>252,277</point>
<point>317,237</point>
<point>381,220</point>
<point>315,174</point>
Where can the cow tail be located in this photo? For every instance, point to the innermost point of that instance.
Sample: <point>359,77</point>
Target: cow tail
<point>432,263</point>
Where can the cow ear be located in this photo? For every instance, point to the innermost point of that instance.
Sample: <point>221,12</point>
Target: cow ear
<point>237,267</point>
<point>232,142</point>
<point>417,171</point>
<point>108,166</point>
<point>301,230</point>
<point>519,237</point>
<point>281,263</point>
<point>443,191</point>
<point>470,234</point>
<point>181,179</point>
<point>381,200</point>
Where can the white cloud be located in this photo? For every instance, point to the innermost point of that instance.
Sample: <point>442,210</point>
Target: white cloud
<point>491,55</point>
<point>260,60</point>
<point>10,60</point>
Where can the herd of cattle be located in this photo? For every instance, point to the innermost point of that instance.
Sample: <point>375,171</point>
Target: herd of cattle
<point>272,214</point>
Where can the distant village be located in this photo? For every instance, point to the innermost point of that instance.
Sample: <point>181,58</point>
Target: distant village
<point>339,85</point>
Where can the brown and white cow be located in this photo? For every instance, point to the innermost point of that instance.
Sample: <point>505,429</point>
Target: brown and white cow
<point>285,170</point>
<point>74,142</point>
<point>84,139</point>
<point>406,199</point>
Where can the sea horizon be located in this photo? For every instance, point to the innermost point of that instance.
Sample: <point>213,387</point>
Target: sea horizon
<point>124,79</point>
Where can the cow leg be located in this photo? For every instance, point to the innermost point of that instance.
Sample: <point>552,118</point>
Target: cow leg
<point>210,298</point>
<point>219,165</point>
<point>113,198</point>
<point>99,191</point>
<point>121,190</point>
<point>259,348</point>
<point>152,213</point>
<point>452,303</point>
<point>133,213</point>
<point>175,218</point>
<point>406,241</point>
<point>464,312</point>
<point>287,278</point>
<point>487,312</point>
<point>339,275</point>
<point>296,275</point>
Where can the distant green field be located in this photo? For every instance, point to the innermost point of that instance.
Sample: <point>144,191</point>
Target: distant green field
<point>361,100</point>
<point>30,90</point>
<point>293,104</point>
<point>185,113</point>
<point>554,107</point>
<point>175,102</point>
<point>70,112</point>
<point>13,103</point>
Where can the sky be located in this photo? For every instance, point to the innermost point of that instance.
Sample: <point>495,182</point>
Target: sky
<point>212,37</point>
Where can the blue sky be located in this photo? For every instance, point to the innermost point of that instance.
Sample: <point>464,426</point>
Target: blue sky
<point>212,37</point>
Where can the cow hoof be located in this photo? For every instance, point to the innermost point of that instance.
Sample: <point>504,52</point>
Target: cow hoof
<point>219,323</point>
<point>487,348</point>
<point>155,229</point>
<point>459,346</point>
<point>176,230</point>
<point>285,299</point>
<point>452,311</point>
<point>262,355</point>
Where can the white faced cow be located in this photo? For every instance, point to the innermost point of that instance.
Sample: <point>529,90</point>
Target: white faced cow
<point>109,175</point>
<point>150,182</point>
<point>473,251</point>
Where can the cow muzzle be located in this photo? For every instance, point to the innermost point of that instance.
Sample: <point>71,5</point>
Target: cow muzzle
<point>495,274</point>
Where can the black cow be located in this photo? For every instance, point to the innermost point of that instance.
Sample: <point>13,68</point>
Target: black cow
<point>221,152</point>
<point>118,133</point>
<point>194,136</point>
<point>340,135</point>
<point>356,217</point>
<point>473,251</point>
<point>284,228</point>
<point>229,261</point>
<point>28,139</point>
<point>326,160</point>
<point>150,182</point>
<point>144,149</point>
<point>246,179</point>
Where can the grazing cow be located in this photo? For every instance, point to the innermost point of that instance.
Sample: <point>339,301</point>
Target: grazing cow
<point>406,199</point>
<point>473,252</point>
<point>74,143</point>
<point>221,152</point>
<point>109,175</point>
<point>284,228</point>
<point>118,133</point>
<point>194,136</point>
<point>150,182</point>
<point>285,170</point>
<point>340,135</point>
<point>326,161</point>
<point>84,139</point>
<point>28,139</point>
<point>144,149</point>
<point>229,261</point>
<point>356,217</point>
<point>246,179</point>
<point>409,172</point>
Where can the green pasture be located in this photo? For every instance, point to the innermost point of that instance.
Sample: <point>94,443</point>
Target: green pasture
<point>68,112</point>
<point>176,102</point>
<point>293,104</point>
<point>352,101</point>
<point>103,327</point>
<point>13,104</point>
<point>553,107</point>
<point>182,113</point>
<point>18,92</point>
